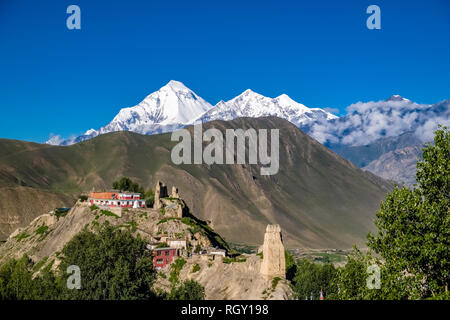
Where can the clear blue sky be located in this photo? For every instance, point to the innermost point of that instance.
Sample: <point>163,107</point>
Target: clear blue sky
<point>318,52</point>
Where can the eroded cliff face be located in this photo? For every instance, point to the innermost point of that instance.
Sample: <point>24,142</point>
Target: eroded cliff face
<point>248,277</point>
<point>231,281</point>
<point>274,262</point>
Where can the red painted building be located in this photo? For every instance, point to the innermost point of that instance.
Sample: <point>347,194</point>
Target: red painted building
<point>163,256</point>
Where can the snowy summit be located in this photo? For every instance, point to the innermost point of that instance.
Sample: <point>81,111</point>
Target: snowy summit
<point>175,106</point>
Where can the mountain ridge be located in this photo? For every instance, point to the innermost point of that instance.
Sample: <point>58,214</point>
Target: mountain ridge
<point>174,106</point>
<point>320,199</point>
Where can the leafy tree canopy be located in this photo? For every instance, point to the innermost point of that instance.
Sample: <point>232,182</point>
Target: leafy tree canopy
<point>187,290</point>
<point>114,265</point>
<point>126,184</point>
<point>413,236</point>
<point>311,278</point>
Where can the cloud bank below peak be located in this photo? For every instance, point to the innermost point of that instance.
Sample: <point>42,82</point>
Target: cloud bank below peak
<point>367,122</point>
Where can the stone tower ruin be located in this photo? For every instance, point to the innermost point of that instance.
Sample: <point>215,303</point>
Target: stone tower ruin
<point>274,263</point>
<point>175,193</point>
<point>160,192</point>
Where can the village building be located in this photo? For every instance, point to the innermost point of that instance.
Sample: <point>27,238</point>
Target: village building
<point>116,199</point>
<point>216,252</point>
<point>163,257</point>
<point>177,243</point>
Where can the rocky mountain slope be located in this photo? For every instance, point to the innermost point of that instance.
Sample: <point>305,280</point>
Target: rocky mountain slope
<point>319,199</point>
<point>392,158</point>
<point>398,165</point>
<point>380,131</point>
<point>20,205</point>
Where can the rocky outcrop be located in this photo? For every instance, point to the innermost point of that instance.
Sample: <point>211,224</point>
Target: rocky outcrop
<point>230,281</point>
<point>274,263</point>
<point>47,235</point>
<point>397,165</point>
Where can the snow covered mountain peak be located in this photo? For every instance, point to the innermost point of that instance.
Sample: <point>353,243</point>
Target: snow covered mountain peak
<point>176,86</point>
<point>286,102</point>
<point>90,131</point>
<point>174,106</point>
<point>252,104</point>
<point>171,107</point>
<point>396,97</point>
<point>248,95</point>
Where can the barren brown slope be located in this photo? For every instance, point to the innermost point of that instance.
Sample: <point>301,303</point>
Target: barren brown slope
<point>20,205</point>
<point>319,199</point>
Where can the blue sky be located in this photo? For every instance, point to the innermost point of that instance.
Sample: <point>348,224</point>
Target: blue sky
<point>55,80</point>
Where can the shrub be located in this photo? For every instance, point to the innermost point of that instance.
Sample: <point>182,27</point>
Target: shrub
<point>275,282</point>
<point>234,259</point>
<point>195,268</point>
<point>39,265</point>
<point>109,214</point>
<point>162,245</point>
<point>42,231</point>
<point>61,212</point>
<point>188,290</point>
<point>291,265</point>
<point>22,236</point>
<point>175,269</point>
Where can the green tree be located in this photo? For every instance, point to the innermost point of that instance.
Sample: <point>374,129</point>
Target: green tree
<point>126,184</point>
<point>17,283</point>
<point>311,278</point>
<point>291,265</point>
<point>16,280</point>
<point>413,236</point>
<point>149,198</point>
<point>114,265</point>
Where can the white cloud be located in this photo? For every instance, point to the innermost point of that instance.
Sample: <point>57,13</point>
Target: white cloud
<point>331,110</point>
<point>370,121</point>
